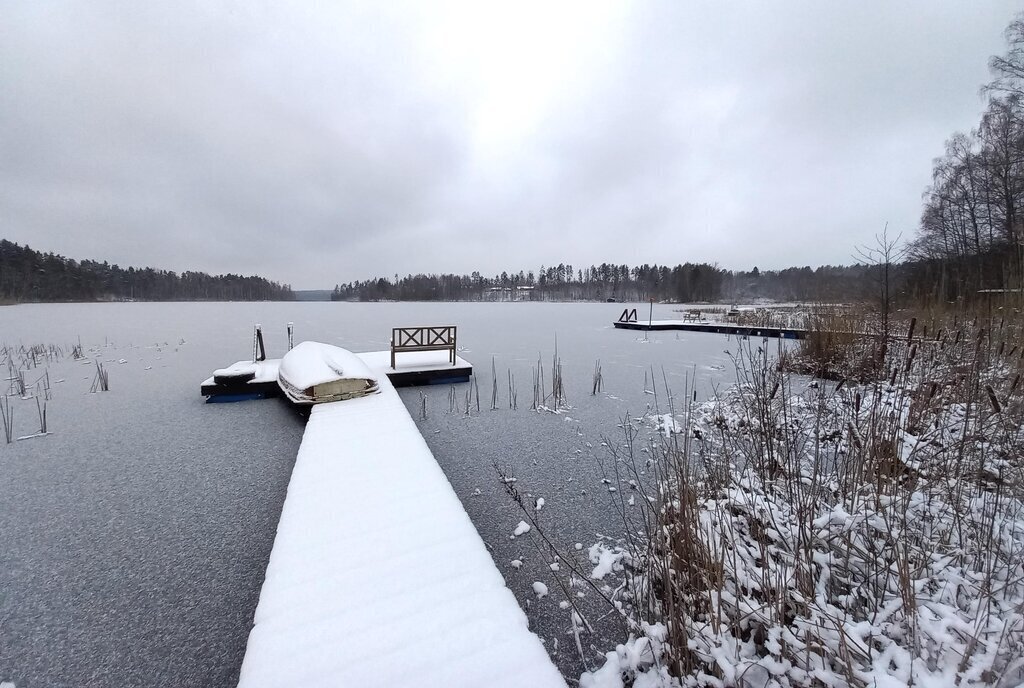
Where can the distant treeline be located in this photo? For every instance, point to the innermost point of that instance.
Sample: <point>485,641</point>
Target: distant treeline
<point>28,275</point>
<point>687,283</point>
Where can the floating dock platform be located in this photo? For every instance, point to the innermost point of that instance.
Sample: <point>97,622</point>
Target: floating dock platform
<point>713,327</point>
<point>411,369</point>
<point>377,576</point>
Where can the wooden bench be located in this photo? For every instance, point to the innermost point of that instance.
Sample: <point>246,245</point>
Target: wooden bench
<point>441,338</point>
<point>691,315</point>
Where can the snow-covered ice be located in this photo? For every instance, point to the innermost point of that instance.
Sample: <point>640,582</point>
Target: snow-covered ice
<point>522,529</point>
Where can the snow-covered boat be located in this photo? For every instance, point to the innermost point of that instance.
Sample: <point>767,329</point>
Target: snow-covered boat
<point>314,373</point>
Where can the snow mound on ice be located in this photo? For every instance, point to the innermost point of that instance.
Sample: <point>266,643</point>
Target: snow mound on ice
<point>607,559</point>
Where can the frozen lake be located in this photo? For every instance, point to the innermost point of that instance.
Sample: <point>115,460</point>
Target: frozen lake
<point>133,539</point>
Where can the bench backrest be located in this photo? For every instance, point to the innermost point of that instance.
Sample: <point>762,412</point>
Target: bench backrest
<point>441,338</point>
<point>413,338</point>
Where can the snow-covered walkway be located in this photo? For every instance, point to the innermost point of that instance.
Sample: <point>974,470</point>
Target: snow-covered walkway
<point>377,576</point>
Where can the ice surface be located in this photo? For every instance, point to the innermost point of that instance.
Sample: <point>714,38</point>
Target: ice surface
<point>371,536</point>
<point>205,501</point>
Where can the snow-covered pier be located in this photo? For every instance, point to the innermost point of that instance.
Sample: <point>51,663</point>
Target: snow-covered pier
<point>714,327</point>
<point>377,576</point>
<point>414,368</point>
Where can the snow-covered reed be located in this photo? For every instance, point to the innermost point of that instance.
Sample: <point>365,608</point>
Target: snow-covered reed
<point>837,533</point>
<point>7,416</point>
<point>796,318</point>
<point>101,381</point>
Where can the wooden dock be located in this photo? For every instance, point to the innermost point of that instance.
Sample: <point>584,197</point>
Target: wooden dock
<point>413,369</point>
<point>377,576</point>
<point>419,364</point>
<point>712,327</point>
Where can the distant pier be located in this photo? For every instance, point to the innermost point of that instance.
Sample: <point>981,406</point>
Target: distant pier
<point>712,327</point>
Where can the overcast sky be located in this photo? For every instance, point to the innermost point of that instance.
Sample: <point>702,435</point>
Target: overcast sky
<point>317,143</point>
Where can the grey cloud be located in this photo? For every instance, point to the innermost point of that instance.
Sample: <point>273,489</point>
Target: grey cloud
<point>116,147</point>
<point>319,144</point>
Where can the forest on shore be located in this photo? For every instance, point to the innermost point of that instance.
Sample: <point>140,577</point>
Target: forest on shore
<point>912,275</point>
<point>685,283</point>
<point>27,275</point>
